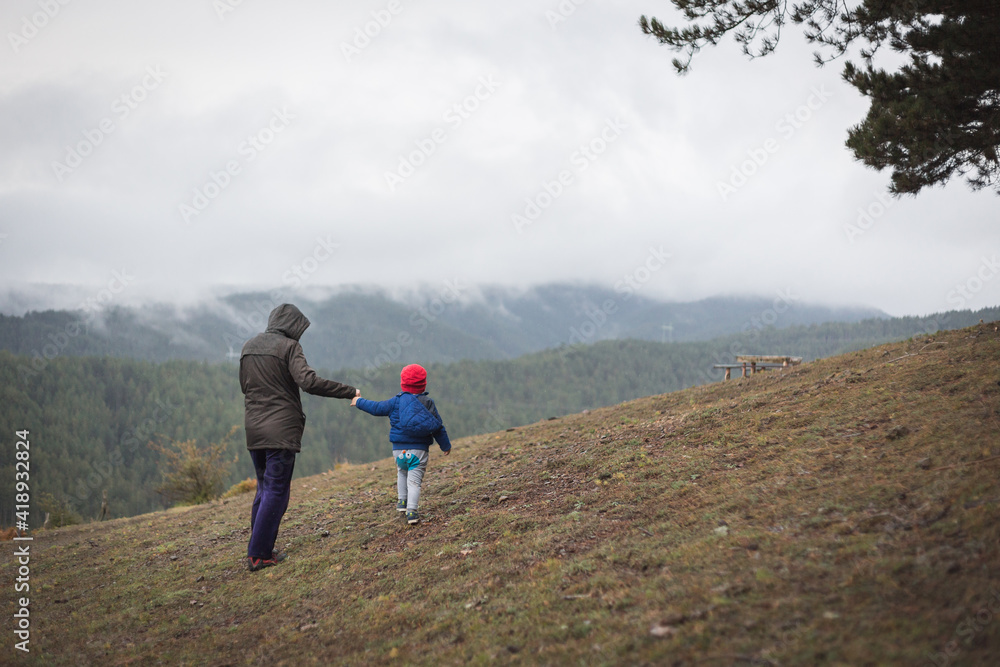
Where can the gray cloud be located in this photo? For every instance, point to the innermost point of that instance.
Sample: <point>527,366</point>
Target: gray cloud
<point>801,213</point>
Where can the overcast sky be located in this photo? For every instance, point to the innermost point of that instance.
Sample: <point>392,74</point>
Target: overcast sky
<point>203,145</point>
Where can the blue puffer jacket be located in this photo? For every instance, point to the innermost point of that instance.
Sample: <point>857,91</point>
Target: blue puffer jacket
<point>414,422</point>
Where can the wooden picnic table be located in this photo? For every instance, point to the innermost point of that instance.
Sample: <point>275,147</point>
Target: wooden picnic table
<point>751,362</point>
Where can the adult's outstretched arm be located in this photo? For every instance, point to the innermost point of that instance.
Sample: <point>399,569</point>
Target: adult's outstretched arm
<point>311,383</point>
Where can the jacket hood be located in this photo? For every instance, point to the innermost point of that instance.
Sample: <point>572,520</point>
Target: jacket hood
<point>287,320</point>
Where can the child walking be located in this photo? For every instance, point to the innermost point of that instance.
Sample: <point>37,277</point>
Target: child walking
<point>414,423</point>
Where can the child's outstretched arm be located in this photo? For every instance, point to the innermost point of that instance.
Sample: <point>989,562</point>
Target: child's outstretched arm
<point>376,408</point>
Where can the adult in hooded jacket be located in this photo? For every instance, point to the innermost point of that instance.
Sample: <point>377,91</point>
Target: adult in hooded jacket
<point>272,370</point>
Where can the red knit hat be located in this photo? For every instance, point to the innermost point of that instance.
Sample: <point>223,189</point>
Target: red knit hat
<point>413,379</point>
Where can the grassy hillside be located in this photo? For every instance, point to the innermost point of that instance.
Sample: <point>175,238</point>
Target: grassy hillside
<point>96,415</point>
<point>845,513</point>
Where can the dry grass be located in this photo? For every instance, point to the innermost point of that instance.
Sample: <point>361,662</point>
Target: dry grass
<point>845,513</point>
<point>248,485</point>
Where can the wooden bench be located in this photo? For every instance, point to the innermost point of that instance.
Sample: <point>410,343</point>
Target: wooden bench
<point>753,362</point>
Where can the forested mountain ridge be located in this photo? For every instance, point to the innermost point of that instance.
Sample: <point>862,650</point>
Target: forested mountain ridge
<point>92,418</point>
<point>363,328</point>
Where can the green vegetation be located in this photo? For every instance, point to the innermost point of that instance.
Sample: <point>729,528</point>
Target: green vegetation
<point>93,418</point>
<point>843,513</point>
<point>193,474</point>
<point>57,511</point>
<point>91,422</point>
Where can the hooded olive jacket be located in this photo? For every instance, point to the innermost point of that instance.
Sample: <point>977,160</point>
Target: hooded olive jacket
<point>272,369</point>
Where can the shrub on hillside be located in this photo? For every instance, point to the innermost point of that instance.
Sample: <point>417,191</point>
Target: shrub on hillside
<point>59,511</point>
<point>194,474</point>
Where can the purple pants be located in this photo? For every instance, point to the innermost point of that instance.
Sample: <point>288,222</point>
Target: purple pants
<point>274,482</point>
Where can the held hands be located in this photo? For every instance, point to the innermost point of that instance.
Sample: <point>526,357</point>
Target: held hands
<point>357,395</point>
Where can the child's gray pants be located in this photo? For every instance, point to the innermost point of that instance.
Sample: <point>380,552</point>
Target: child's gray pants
<point>410,467</point>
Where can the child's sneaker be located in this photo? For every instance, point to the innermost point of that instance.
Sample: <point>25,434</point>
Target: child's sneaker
<point>412,518</point>
<point>400,505</point>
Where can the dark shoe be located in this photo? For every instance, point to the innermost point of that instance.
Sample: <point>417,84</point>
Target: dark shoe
<point>278,556</point>
<point>400,505</point>
<point>255,564</point>
<point>412,518</point>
